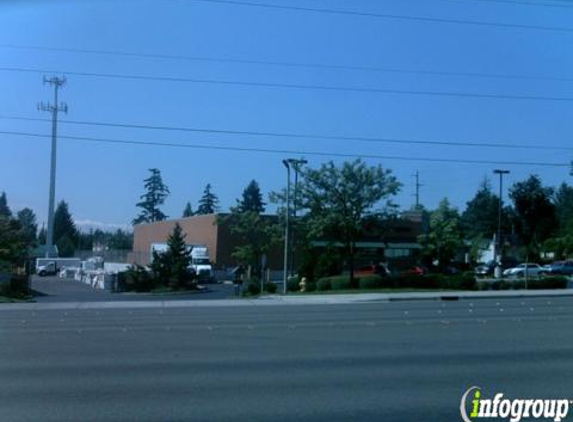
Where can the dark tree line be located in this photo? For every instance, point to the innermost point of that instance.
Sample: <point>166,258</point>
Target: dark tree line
<point>537,218</point>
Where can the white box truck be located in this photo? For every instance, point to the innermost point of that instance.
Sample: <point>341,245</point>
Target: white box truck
<point>52,266</point>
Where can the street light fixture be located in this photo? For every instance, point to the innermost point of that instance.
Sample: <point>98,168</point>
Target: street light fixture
<point>498,246</point>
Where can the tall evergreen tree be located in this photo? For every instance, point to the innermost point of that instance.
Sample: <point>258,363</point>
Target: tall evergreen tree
<point>65,232</point>
<point>257,234</point>
<point>188,211</point>
<point>564,208</point>
<point>42,235</point>
<point>28,224</point>
<point>4,209</point>
<point>12,246</point>
<point>480,216</point>
<point>156,193</point>
<point>171,267</point>
<point>536,217</point>
<point>209,203</point>
<point>252,200</point>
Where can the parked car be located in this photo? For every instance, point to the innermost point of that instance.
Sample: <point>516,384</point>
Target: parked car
<point>416,270</point>
<point>377,269</point>
<point>532,270</point>
<point>488,269</point>
<point>485,270</point>
<point>561,268</point>
<point>451,270</point>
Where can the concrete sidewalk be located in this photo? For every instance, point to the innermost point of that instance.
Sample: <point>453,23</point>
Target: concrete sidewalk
<point>293,300</point>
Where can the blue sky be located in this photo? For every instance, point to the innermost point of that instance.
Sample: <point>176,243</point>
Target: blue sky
<point>103,182</point>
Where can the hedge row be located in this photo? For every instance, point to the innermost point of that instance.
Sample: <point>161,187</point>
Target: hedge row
<point>431,281</point>
<point>545,283</point>
<point>254,288</point>
<point>464,281</point>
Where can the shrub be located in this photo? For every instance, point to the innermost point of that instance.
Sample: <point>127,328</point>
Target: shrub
<point>432,281</point>
<point>5,289</point>
<point>328,264</point>
<point>414,282</point>
<point>310,286</point>
<point>139,280</point>
<point>553,282</point>
<point>340,283</point>
<point>253,288</point>
<point>370,282</point>
<point>270,287</point>
<point>121,281</point>
<point>20,285</point>
<point>293,284</point>
<point>464,281</point>
<point>323,285</point>
<point>387,282</point>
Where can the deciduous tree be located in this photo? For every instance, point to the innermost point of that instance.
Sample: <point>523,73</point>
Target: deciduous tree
<point>444,239</point>
<point>338,199</point>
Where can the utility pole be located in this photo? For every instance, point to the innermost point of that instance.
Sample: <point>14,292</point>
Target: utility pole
<point>54,108</point>
<point>498,246</point>
<point>418,185</point>
<point>285,271</point>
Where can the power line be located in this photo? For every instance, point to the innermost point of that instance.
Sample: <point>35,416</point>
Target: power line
<point>290,64</point>
<point>291,135</point>
<point>389,16</point>
<point>449,94</point>
<point>282,151</point>
<point>518,2</point>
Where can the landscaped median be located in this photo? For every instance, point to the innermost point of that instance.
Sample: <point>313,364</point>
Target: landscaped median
<point>430,282</point>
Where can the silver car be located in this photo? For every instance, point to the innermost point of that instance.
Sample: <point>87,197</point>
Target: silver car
<point>532,270</point>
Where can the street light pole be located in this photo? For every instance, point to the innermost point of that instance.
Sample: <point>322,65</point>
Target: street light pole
<point>285,271</point>
<point>296,165</point>
<point>498,246</point>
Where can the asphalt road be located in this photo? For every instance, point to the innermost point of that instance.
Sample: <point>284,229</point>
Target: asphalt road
<point>54,289</point>
<point>406,361</point>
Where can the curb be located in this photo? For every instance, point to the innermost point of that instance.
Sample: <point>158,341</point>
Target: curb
<point>349,299</point>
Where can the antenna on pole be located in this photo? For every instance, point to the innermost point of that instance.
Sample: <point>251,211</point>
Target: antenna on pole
<point>53,108</point>
<point>417,186</point>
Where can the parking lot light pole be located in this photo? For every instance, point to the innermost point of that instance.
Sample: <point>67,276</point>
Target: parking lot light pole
<point>297,164</point>
<point>285,271</point>
<point>498,246</point>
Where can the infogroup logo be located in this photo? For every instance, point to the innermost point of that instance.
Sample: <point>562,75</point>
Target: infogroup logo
<point>474,406</point>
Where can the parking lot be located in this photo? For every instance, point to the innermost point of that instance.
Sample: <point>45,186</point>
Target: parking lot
<point>54,289</point>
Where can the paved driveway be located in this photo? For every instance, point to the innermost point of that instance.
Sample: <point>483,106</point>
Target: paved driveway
<point>53,289</point>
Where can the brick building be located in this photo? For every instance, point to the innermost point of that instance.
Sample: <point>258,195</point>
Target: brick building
<point>398,245</point>
<point>199,230</point>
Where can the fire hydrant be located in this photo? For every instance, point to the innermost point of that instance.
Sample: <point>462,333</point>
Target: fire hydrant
<point>302,285</point>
